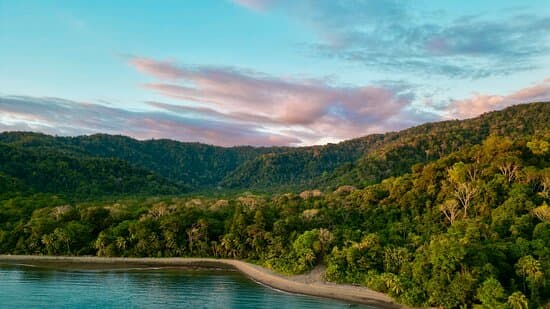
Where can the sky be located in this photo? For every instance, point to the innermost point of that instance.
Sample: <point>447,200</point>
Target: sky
<point>265,72</point>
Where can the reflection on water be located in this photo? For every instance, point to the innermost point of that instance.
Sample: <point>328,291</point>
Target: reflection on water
<point>26,286</point>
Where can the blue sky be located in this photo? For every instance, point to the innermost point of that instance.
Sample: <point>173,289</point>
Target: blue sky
<point>265,72</point>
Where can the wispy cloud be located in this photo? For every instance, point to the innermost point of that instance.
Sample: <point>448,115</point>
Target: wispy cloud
<point>481,103</point>
<point>65,117</point>
<point>314,106</point>
<point>394,35</point>
<point>227,106</point>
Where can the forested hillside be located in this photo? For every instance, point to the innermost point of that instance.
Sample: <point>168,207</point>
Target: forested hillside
<point>192,167</point>
<point>372,158</point>
<point>471,229</point>
<point>24,171</point>
<point>191,164</point>
<point>298,167</point>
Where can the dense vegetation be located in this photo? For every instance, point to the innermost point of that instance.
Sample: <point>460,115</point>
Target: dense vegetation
<point>469,225</point>
<point>26,171</point>
<point>370,159</point>
<point>192,167</point>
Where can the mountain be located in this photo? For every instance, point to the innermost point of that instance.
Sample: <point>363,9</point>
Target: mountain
<point>369,159</point>
<point>28,171</point>
<point>103,161</point>
<point>191,164</point>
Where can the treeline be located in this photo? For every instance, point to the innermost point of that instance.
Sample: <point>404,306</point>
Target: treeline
<point>471,228</point>
<point>194,167</point>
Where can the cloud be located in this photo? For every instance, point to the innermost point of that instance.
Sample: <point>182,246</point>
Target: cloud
<point>481,103</point>
<point>396,36</point>
<point>211,113</point>
<point>227,106</point>
<point>313,106</point>
<point>65,117</point>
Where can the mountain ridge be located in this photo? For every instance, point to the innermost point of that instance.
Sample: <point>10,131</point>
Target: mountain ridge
<point>189,167</point>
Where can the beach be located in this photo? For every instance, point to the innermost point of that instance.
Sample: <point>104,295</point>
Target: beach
<point>308,284</point>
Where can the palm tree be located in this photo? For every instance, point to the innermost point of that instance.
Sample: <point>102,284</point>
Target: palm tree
<point>325,238</point>
<point>392,283</point>
<point>530,270</point>
<point>193,234</point>
<point>101,244</point>
<point>215,248</point>
<point>518,301</point>
<point>542,212</point>
<point>62,237</point>
<point>120,243</point>
<point>229,245</point>
<point>48,241</point>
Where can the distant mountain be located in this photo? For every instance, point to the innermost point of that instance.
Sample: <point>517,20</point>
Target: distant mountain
<point>106,164</point>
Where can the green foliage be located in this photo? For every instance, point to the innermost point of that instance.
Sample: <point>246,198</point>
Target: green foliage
<point>518,301</point>
<point>491,294</point>
<point>31,171</point>
<point>466,228</point>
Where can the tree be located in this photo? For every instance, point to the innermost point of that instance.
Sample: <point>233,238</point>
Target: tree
<point>450,209</point>
<point>59,211</point>
<point>78,238</point>
<point>393,283</point>
<point>395,258</point>
<point>62,239</point>
<point>508,166</point>
<point>229,245</point>
<point>49,242</point>
<point>325,238</point>
<point>306,248</point>
<point>539,146</point>
<point>529,269</point>
<point>473,170</point>
<point>121,243</point>
<point>542,212</point>
<point>101,244</point>
<point>491,293</point>
<point>518,301</point>
<point>464,191</point>
<point>545,182</point>
<point>195,233</point>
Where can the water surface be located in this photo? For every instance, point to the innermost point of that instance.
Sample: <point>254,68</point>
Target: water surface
<point>27,286</point>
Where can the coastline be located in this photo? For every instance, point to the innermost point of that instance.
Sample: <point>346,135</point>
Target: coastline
<point>292,284</point>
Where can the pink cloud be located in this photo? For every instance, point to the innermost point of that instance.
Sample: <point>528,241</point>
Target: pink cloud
<point>65,117</point>
<point>307,105</point>
<point>481,103</point>
<point>211,113</point>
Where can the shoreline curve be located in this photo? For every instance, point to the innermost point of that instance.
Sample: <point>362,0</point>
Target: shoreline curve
<point>259,274</point>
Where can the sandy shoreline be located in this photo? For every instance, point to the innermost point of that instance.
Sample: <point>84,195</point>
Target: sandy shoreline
<point>303,284</point>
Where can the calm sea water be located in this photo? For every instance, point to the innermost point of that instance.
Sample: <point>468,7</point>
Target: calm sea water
<point>46,287</point>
